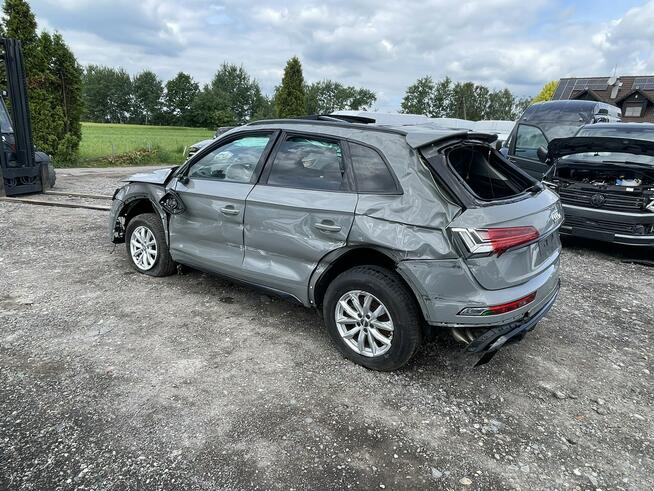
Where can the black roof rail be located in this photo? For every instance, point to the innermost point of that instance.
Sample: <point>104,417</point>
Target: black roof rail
<point>336,117</point>
<point>329,121</point>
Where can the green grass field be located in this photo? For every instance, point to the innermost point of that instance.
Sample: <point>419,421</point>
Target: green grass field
<point>131,144</point>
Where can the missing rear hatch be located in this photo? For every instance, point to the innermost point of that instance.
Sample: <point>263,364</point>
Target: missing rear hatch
<point>486,173</point>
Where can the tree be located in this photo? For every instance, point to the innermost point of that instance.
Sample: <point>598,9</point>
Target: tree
<point>232,98</point>
<point>327,96</point>
<point>66,93</point>
<point>441,99</point>
<point>546,92</point>
<point>240,94</point>
<point>418,98</point>
<point>520,105</point>
<point>147,94</point>
<point>19,23</point>
<point>53,83</point>
<point>107,94</point>
<point>178,98</point>
<point>465,103</point>
<point>291,98</point>
<point>265,109</point>
<point>501,105</point>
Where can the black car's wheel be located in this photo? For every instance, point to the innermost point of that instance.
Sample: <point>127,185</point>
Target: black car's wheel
<point>146,246</point>
<point>372,317</point>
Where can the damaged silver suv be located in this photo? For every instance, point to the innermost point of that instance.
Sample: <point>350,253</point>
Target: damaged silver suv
<point>390,232</point>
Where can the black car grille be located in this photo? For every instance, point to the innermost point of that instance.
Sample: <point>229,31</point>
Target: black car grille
<point>602,199</point>
<point>607,225</point>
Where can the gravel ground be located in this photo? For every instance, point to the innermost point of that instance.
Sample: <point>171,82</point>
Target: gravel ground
<point>114,380</point>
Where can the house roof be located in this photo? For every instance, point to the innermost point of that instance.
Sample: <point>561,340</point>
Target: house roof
<point>600,89</point>
<point>639,91</point>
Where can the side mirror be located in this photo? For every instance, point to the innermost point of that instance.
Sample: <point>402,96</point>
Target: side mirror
<point>542,154</point>
<point>498,145</point>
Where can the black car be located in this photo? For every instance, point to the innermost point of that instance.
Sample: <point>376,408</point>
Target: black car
<point>605,178</point>
<point>544,121</point>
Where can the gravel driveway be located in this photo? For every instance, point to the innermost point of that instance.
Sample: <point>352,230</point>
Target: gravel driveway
<point>114,380</point>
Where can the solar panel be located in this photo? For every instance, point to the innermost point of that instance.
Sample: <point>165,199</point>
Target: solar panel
<point>591,84</point>
<point>643,83</point>
<point>564,89</point>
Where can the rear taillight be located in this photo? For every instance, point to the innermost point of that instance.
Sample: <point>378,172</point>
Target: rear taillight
<point>504,308</point>
<point>495,240</point>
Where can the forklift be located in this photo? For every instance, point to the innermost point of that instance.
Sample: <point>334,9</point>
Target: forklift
<point>23,169</point>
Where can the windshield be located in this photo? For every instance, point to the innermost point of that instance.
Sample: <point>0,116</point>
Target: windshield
<point>635,133</point>
<point>559,130</point>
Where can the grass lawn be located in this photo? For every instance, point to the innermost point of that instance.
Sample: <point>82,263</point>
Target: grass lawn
<point>131,144</point>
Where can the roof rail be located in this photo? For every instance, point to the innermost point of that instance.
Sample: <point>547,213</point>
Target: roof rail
<point>329,121</point>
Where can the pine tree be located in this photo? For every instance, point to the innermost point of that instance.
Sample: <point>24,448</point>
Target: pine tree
<point>291,99</point>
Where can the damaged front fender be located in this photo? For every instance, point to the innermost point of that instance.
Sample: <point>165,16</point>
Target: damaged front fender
<point>133,199</point>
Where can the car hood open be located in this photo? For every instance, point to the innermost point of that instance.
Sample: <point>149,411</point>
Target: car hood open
<point>560,147</point>
<point>158,176</point>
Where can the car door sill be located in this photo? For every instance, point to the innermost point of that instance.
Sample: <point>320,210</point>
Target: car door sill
<point>278,293</point>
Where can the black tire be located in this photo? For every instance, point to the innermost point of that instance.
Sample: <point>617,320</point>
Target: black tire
<point>163,264</point>
<point>390,290</point>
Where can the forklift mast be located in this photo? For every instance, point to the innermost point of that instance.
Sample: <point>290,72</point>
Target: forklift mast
<point>21,174</point>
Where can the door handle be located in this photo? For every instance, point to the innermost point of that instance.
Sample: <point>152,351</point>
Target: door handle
<point>327,227</point>
<point>229,210</point>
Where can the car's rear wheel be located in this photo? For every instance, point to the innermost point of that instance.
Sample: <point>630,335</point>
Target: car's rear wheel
<point>147,250</point>
<point>372,317</point>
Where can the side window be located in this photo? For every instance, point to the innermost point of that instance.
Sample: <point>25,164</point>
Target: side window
<point>528,139</point>
<point>234,161</point>
<point>309,163</point>
<point>370,171</point>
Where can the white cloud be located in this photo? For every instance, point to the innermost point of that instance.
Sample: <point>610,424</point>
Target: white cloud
<point>383,46</point>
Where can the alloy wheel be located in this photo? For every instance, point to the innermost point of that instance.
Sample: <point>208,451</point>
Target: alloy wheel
<point>143,248</point>
<point>364,323</point>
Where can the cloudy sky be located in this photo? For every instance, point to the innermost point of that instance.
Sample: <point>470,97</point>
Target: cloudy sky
<point>381,45</point>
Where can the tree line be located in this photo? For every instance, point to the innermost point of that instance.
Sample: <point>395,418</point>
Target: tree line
<point>464,100</point>
<point>232,97</point>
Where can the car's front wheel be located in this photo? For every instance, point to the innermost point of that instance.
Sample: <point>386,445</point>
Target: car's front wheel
<point>146,246</point>
<point>372,317</point>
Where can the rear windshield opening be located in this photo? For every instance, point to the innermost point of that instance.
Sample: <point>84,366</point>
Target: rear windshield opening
<point>486,174</point>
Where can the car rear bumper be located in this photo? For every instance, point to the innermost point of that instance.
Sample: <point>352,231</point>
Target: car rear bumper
<point>609,226</point>
<point>445,287</point>
<point>496,337</point>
